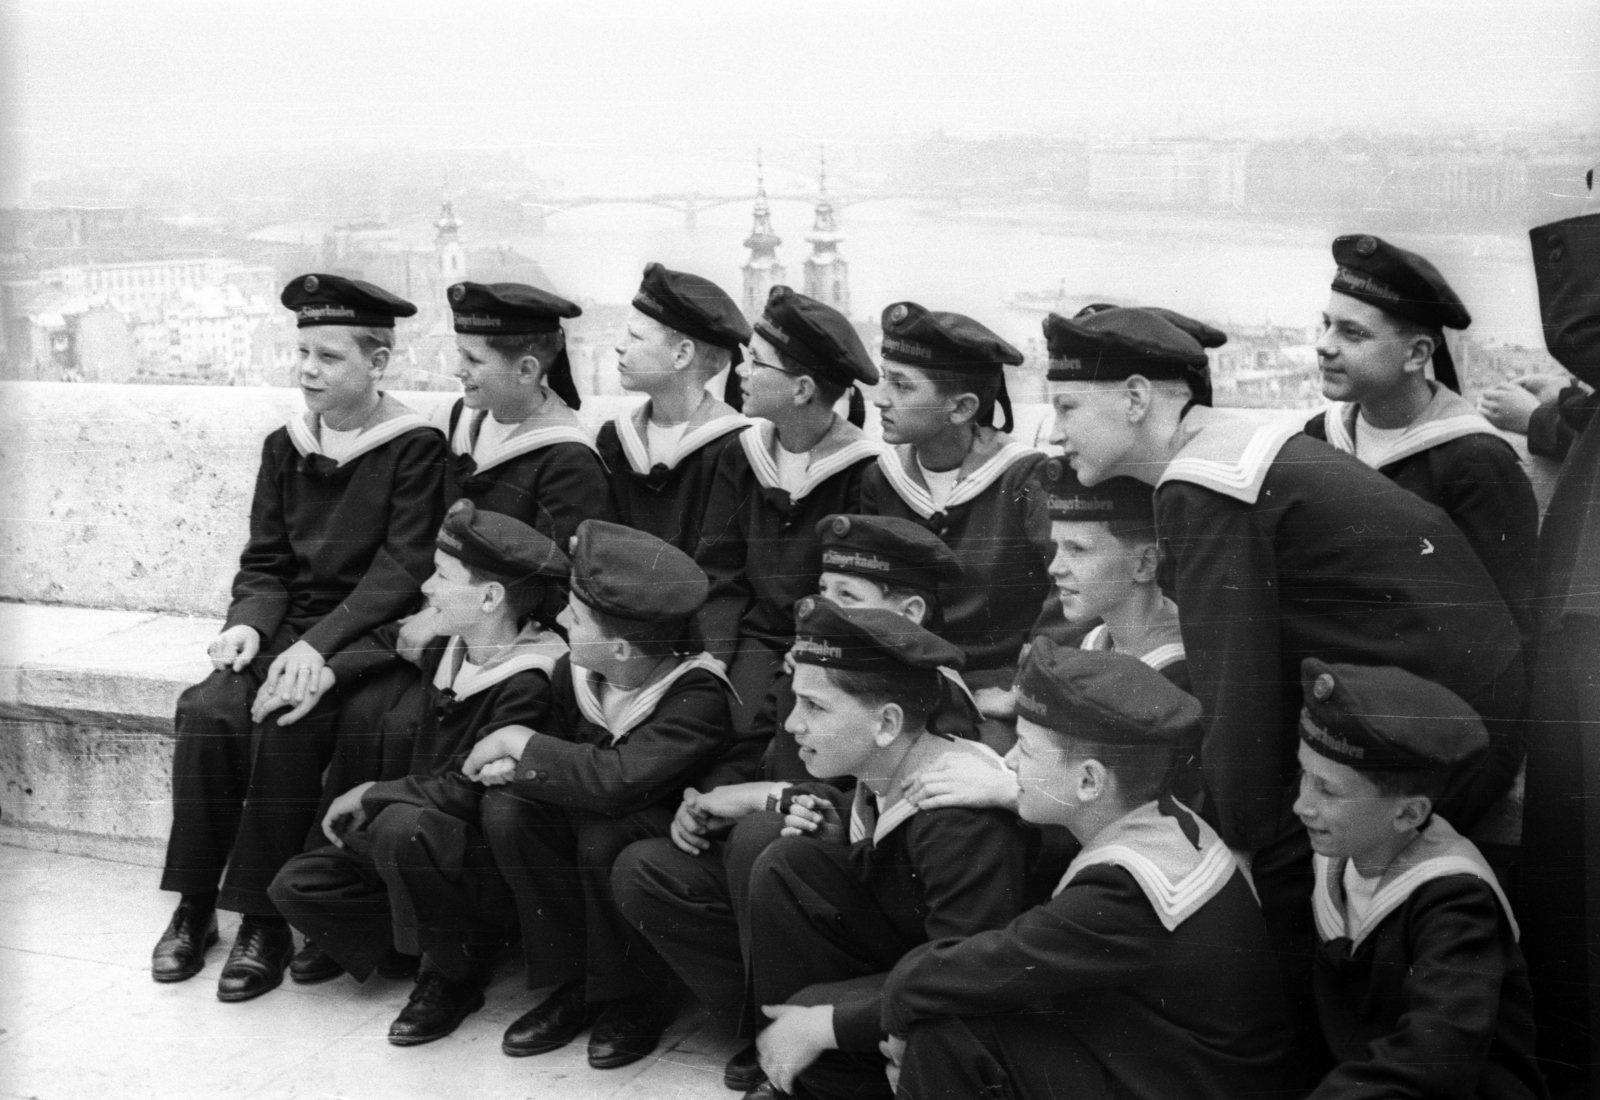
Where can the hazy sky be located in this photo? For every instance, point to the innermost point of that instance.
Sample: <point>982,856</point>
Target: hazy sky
<point>120,79</point>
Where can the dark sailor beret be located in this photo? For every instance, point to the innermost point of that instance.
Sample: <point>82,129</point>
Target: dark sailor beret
<point>334,300</point>
<point>1115,344</point>
<point>507,309</point>
<point>866,639</point>
<point>1116,498</point>
<point>1205,335</point>
<point>1380,718</point>
<point>696,307</point>
<point>816,336</point>
<point>1396,281</point>
<point>1110,698</point>
<point>887,549</point>
<point>497,544</point>
<point>920,337</point>
<point>634,575</point>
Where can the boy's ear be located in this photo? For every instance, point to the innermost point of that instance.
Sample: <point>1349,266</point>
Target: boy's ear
<point>891,724</point>
<point>1147,563</point>
<point>1094,781</point>
<point>379,361</point>
<point>683,353</point>
<point>805,389</point>
<point>1140,394</point>
<point>915,608</point>
<point>963,408</point>
<point>1419,353</point>
<point>622,650</point>
<point>529,368</point>
<point>1412,812</point>
<point>494,597</point>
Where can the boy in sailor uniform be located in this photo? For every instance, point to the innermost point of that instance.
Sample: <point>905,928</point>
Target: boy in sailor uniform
<point>346,506</point>
<point>1421,989</point>
<point>1149,974</point>
<point>640,710</point>
<point>662,458</point>
<point>855,883</point>
<point>799,461</point>
<point>950,469</point>
<point>694,910</point>
<point>407,863</point>
<point>1381,329</point>
<point>1282,548</point>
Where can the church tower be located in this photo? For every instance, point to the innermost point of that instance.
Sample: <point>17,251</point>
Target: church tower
<point>827,275</point>
<point>762,271</point>
<point>447,243</point>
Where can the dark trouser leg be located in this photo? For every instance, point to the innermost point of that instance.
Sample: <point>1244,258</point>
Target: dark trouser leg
<point>210,773</point>
<point>450,905</point>
<point>280,804</point>
<point>375,731</point>
<point>336,897</point>
<point>620,963</point>
<point>999,1058</point>
<point>750,837</point>
<point>1559,881</point>
<point>751,672</point>
<point>812,920</point>
<point>1283,880</point>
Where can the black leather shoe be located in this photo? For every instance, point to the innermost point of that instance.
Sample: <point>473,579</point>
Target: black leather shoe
<point>312,965</point>
<point>766,1090</point>
<point>629,1029</point>
<point>436,1008</point>
<point>394,966</point>
<point>256,964</point>
<point>743,1071</point>
<point>560,1019</point>
<point>181,951</point>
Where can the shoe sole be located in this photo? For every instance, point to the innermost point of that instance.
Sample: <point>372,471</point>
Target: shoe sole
<point>617,1061</point>
<point>418,1040</point>
<point>184,975</point>
<point>235,998</point>
<point>317,977</point>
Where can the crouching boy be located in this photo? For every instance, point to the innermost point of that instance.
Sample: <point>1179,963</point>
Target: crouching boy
<point>1420,987</point>
<point>1149,974</point>
<point>834,905</point>
<point>407,865</point>
<point>639,711</point>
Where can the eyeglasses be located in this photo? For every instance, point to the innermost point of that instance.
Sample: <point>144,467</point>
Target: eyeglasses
<point>754,363</point>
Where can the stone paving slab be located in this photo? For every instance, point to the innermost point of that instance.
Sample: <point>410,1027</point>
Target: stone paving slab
<point>80,1017</point>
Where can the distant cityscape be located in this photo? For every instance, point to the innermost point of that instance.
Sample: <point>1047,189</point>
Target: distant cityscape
<point>141,279</point>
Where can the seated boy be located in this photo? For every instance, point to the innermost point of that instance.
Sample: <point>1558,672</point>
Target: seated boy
<point>834,906</point>
<point>639,710</point>
<point>1381,330</point>
<point>693,910</point>
<point>406,854</point>
<point>683,331</point>
<point>800,461</point>
<point>1421,989</point>
<point>342,524</point>
<point>1149,974</point>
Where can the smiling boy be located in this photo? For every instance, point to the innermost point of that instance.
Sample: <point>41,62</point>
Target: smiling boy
<point>346,504</point>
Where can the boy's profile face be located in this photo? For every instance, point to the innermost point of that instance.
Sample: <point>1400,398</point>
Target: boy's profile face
<point>768,388</point>
<point>910,406</point>
<point>452,593</point>
<point>832,727</point>
<point>335,377</point>
<point>1362,353</point>
<point>1092,427</point>
<point>589,646</point>
<point>489,380</point>
<point>1093,569</point>
<point>1344,813</point>
<point>1047,777</point>
<point>849,590</point>
<point>644,354</point>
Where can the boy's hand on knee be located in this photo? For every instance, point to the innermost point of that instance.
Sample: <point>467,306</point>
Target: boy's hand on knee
<point>797,1036</point>
<point>265,704</point>
<point>234,648</point>
<point>966,781</point>
<point>296,673</point>
<point>498,773</point>
<point>893,1050</point>
<point>505,743</point>
<point>345,814</point>
<point>815,817</point>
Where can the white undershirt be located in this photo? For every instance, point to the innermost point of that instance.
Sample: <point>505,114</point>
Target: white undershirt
<point>336,445</point>
<point>1372,441</point>
<point>492,433</point>
<point>442,678</point>
<point>1358,894</point>
<point>614,703</point>
<point>941,483</point>
<point>662,441</point>
<point>792,467</point>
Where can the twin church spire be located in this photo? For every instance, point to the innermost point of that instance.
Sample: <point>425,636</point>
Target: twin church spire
<point>827,276</point>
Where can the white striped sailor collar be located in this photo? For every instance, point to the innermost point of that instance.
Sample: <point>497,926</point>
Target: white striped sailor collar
<point>644,701</point>
<point>1437,852</point>
<point>984,465</point>
<point>895,809</point>
<point>1447,416</point>
<point>532,649</point>
<point>391,419</point>
<point>844,445</point>
<point>1162,656</point>
<point>1227,453</point>
<point>1177,878</point>
<point>553,423</point>
<point>710,422</point>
